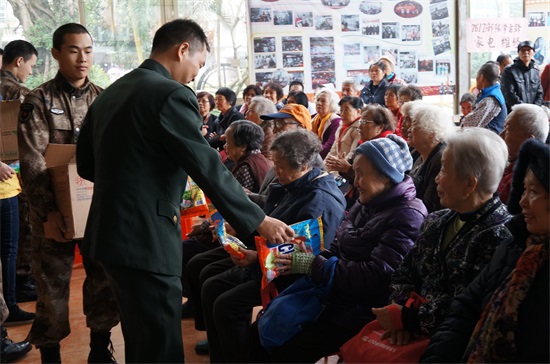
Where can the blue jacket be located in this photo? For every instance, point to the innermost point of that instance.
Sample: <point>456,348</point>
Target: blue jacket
<point>494,91</point>
<point>371,243</point>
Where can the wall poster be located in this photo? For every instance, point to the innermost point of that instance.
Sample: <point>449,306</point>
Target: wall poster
<point>326,41</point>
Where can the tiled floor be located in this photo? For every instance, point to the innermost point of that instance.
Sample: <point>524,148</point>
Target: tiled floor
<point>75,348</point>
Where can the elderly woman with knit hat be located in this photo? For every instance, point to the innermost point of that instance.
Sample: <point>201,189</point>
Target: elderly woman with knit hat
<point>503,315</point>
<point>456,242</point>
<point>370,244</point>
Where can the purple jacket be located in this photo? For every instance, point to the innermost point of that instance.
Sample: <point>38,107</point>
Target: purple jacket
<point>371,244</point>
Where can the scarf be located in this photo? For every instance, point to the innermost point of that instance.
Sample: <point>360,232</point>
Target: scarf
<point>319,124</point>
<point>493,339</point>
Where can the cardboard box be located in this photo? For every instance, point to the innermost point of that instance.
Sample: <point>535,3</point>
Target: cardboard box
<point>73,194</point>
<point>9,116</point>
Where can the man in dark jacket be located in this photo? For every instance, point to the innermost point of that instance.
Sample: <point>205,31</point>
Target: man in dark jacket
<point>520,82</point>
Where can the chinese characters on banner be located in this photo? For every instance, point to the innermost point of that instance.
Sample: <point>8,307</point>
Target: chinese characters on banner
<point>495,35</point>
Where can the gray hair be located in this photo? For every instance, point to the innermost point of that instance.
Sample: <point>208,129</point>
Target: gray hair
<point>334,99</point>
<point>408,109</point>
<point>532,119</point>
<point>432,119</point>
<point>414,92</point>
<point>262,106</point>
<point>247,134</point>
<point>479,153</point>
<point>351,81</point>
<point>298,147</point>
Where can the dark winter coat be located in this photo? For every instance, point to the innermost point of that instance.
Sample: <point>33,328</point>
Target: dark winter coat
<point>521,84</point>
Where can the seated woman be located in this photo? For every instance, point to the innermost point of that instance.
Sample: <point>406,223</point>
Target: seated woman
<point>348,134</point>
<point>502,316</point>
<point>408,109</point>
<point>243,142</point>
<point>274,92</point>
<point>429,129</point>
<point>327,120</point>
<point>302,193</point>
<point>249,92</point>
<point>225,102</point>
<point>392,103</point>
<point>456,242</point>
<point>377,233</point>
<point>259,106</point>
<point>206,105</point>
<point>298,97</point>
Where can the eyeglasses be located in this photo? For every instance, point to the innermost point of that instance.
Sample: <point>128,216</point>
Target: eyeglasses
<point>365,121</point>
<point>279,124</point>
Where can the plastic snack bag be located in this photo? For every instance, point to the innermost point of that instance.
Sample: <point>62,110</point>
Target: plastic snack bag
<point>230,243</point>
<point>309,232</point>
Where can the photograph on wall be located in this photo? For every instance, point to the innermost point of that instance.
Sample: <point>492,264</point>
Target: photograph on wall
<point>321,45</point>
<point>361,76</point>
<point>425,64</point>
<point>371,54</point>
<point>303,19</point>
<point>322,62</point>
<point>323,22</point>
<point>409,76</point>
<point>280,77</point>
<point>390,30</point>
<point>352,49</point>
<point>265,61</point>
<point>296,76</point>
<point>436,1</point>
<point>263,78</point>
<point>350,23</point>
<point>442,67</point>
<point>320,78</point>
<point>439,11</point>
<point>408,9</point>
<point>536,19</point>
<point>440,28</point>
<point>292,60</point>
<point>441,44</point>
<point>335,4</point>
<point>260,15</point>
<point>371,27</point>
<point>282,17</point>
<point>266,44</point>
<point>407,60</point>
<point>370,7</point>
<point>410,33</point>
<point>292,44</point>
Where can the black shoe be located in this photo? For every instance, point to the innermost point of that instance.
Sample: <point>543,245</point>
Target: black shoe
<point>187,310</point>
<point>201,348</point>
<point>101,348</point>
<point>22,295</point>
<point>10,351</point>
<point>51,354</point>
<point>25,289</point>
<point>18,317</point>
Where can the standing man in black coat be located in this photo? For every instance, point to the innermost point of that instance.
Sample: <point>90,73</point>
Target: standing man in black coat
<point>520,82</point>
<point>138,147</point>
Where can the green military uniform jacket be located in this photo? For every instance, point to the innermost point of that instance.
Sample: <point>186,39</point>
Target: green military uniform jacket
<point>140,140</point>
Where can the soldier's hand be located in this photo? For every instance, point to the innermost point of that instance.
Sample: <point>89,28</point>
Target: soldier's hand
<point>275,231</point>
<point>6,172</point>
<point>56,226</point>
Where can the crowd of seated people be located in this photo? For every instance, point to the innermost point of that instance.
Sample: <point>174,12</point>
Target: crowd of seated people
<point>423,213</point>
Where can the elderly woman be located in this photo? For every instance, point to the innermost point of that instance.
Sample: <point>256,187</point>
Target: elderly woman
<point>302,193</point>
<point>502,316</point>
<point>225,102</point>
<point>348,134</point>
<point>392,103</point>
<point>427,135</point>
<point>350,87</point>
<point>377,233</point>
<point>326,121</point>
<point>249,92</point>
<point>243,142</point>
<point>259,105</point>
<point>408,110</point>
<point>409,93</point>
<point>455,243</point>
<point>206,105</point>
<point>390,71</point>
<point>274,92</point>
<point>374,90</point>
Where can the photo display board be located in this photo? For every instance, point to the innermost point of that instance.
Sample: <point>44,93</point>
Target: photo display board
<point>326,41</point>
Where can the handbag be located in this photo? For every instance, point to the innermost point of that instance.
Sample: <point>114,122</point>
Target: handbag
<point>300,304</point>
<point>369,347</point>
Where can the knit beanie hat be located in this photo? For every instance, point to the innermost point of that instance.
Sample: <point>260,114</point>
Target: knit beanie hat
<point>533,155</point>
<point>390,155</point>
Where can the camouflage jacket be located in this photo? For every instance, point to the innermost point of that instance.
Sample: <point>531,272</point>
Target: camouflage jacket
<point>11,88</point>
<point>51,113</point>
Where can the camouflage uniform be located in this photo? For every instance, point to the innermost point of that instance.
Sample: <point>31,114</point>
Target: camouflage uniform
<point>53,113</point>
<point>12,89</point>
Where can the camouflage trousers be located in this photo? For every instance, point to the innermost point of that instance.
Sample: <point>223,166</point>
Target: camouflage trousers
<point>52,264</point>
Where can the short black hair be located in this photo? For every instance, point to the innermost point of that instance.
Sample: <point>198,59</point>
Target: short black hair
<point>229,94</point>
<point>354,101</point>
<point>211,100</point>
<point>69,28</point>
<point>394,87</point>
<point>178,31</point>
<point>247,134</point>
<point>491,72</point>
<point>502,57</point>
<point>16,49</point>
<point>278,89</point>
<point>255,88</point>
<point>300,97</point>
<point>296,82</point>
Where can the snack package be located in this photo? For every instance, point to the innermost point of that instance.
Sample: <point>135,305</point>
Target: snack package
<point>230,243</point>
<point>310,232</point>
<point>193,196</point>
